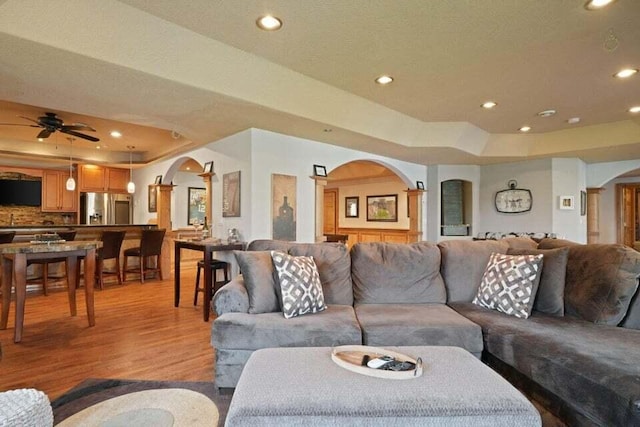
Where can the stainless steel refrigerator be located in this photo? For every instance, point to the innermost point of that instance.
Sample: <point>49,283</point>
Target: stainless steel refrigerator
<point>105,208</point>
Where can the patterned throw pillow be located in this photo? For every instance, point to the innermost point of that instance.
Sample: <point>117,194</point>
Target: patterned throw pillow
<point>300,284</point>
<point>510,283</point>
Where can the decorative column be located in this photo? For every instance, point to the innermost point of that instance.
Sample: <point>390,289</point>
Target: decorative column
<point>321,182</point>
<point>164,221</point>
<point>593,214</point>
<point>415,215</point>
<point>207,177</point>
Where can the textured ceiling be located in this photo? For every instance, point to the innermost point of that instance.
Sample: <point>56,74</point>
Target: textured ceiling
<point>204,71</point>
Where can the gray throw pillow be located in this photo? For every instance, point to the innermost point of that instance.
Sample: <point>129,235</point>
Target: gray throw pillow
<point>260,279</point>
<point>550,296</point>
<point>299,283</point>
<point>509,284</point>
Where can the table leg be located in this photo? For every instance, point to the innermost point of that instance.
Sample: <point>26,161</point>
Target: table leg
<point>72,271</point>
<point>7,276</point>
<point>20,278</point>
<point>89,283</point>
<point>207,284</point>
<point>176,276</point>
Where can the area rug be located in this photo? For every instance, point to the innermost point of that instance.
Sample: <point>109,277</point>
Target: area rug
<point>114,403</point>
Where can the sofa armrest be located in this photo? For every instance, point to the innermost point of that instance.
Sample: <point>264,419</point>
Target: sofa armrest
<point>231,298</point>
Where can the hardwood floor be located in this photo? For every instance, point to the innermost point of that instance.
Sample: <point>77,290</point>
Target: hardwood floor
<point>139,334</point>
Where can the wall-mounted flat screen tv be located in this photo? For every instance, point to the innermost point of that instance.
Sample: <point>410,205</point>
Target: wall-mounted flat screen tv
<point>20,192</point>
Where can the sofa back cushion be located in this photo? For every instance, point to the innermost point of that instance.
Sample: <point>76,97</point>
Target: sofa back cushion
<point>334,267</point>
<point>396,273</point>
<point>548,243</point>
<point>601,281</point>
<point>550,296</point>
<point>269,245</point>
<point>632,319</point>
<point>521,243</point>
<point>464,263</point>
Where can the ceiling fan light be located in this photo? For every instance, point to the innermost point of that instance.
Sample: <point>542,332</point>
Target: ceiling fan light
<point>131,187</point>
<point>71,184</point>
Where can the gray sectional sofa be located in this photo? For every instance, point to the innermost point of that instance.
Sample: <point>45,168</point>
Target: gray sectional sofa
<point>578,354</point>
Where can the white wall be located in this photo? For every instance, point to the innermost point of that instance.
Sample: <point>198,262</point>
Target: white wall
<point>535,175</point>
<point>568,178</point>
<point>288,155</point>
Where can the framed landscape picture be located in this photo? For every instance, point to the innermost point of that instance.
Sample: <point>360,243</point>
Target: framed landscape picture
<point>283,207</point>
<point>382,208</point>
<point>231,194</point>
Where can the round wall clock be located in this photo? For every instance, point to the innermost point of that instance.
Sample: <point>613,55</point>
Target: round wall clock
<point>513,200</point>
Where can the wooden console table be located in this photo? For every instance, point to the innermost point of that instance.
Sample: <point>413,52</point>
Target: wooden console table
<point>208,247</point>
<point>14,264</point>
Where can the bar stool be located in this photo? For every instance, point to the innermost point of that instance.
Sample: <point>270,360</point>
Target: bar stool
<point>111,245</point>
<point>7,236</point>
<point>150,246</point>
<point>215,266</point>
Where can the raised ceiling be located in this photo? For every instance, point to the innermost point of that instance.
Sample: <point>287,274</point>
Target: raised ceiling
<point>203,71</point>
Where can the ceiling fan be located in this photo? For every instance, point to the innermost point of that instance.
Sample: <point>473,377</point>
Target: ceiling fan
<point>50,123</point>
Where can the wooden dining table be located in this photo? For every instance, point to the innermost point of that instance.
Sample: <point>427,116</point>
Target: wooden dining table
<point>14,266</point>
<point>208,246</point>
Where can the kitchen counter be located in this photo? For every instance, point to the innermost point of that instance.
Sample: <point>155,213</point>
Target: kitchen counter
<point>26,233</point>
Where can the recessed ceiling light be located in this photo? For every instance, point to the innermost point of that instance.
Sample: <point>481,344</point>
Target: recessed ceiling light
<point>547,113</point>
<point>269,23</point>
<point>626,73</point>
<point>635,109</point>
<point>97,147</point>
<point>597,4</point>
<point>40,139</point>
<point>525,129</point>
<point>489,105</point>
<point>188,168</point>
<point>115,134</point>
<point>384,80</point>
<point>573,120</point>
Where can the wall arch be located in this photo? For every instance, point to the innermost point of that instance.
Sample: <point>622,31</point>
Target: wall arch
<point>175,167</point>
<point>598,174</point>
<point>409,183</point>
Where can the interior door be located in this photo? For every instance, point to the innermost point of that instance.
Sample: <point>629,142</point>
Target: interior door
<point>627,224</point>
<point>330,211</point>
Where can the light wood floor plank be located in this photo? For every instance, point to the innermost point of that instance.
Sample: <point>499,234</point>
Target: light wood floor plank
<point>139,334</point>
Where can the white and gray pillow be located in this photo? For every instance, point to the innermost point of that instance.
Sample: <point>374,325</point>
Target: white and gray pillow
<point>299,283</point>
<point>510,283</point>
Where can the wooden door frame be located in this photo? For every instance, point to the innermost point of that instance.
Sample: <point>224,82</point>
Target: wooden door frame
<point>336,207</point>
<point>620,213</point>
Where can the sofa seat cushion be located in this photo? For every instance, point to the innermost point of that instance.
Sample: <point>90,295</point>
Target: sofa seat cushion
<point>337,325</point>
<point>595,369</point>
<point>417,324</point>
<point>396,273</point>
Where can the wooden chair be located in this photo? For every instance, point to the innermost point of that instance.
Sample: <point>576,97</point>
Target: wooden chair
<point>150,246</point>
<point>7,236</point>
<point>64,235</point>
<point>215,266</point>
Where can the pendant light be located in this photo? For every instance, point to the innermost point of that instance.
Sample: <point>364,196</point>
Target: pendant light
<point>131,187</point>
<point>71,183</point>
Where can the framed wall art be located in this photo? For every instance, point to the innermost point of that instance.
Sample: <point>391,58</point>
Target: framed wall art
<point>513,199</point>
<point>567,203</point>
<point>197,199</point>
<point>382,208</point>
<point>583,203</point>
<point>208,167</point>
<point>283,207</point>
<point>153,198</point>
<point>158,180</point>
<point>351,207</point>
<point>319,170</point>
<point>231,194</point>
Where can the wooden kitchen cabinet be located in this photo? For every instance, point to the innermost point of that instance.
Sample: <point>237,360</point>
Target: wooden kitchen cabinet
<point>117,180</point>
<point>102,179</point>
<point>55,196</point>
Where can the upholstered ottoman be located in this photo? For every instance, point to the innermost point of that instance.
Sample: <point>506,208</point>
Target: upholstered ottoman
<point>303,386</point>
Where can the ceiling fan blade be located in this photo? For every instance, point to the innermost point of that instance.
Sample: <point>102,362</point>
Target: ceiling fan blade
<point>19,124</point>
<point>30,119</point>
<point>78,126</point>
<point>44,133</point>
<point>79,135</point>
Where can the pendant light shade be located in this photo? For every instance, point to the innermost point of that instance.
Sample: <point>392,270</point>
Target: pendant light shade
<point>131,187</point>
<point>71,183</point>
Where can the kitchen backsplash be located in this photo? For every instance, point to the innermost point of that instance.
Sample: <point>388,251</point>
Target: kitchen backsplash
<point>31,215</point>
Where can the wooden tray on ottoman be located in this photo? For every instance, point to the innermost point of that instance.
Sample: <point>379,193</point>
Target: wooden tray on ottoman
<point>350,357</point>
